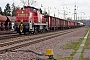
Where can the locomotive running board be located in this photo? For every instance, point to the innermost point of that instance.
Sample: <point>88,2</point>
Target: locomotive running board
<point>39,24</point>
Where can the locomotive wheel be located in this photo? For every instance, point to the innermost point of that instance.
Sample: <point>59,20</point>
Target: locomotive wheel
<point>41,31</point>
<point>35,31</point>
<point>29,32</point>
<point>32,32</point>
<point>20,33</point>
<point>44,31</point>
<point>24,32</point>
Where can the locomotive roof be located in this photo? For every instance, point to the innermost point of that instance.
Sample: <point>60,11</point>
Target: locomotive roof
<point>54,17</point>
<point>30,7</point>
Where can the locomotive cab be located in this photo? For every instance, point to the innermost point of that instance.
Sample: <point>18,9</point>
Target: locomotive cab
<point>33,20</point>
<point>22,19</point>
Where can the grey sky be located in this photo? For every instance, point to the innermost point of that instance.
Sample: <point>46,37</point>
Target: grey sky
<point>56,6</point>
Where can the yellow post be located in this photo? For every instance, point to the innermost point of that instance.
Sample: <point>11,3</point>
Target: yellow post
<point>49,53</point>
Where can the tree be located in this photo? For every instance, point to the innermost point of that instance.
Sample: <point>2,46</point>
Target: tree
<point>7,10</point>
<point>32,2</point>
<point>45,13</point>
<point>29,2</point>
<point>5,13</point>
<point>40,10</point>
<point>24,2</point>
<point>13,10</point>
<point>17,8</point>
<point>1,11</point>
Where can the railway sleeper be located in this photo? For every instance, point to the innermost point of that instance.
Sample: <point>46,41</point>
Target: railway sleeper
<point>10,43</point>
<point>26,43</point>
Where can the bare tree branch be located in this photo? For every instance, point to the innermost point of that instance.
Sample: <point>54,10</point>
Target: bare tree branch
<point>31,2</point>
<point>24,2</point>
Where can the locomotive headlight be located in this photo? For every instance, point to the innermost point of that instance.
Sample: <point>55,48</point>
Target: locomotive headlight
<point>22,12</point>
<point>21,24</point>
<point>22,20</point>
<point>30,23</point>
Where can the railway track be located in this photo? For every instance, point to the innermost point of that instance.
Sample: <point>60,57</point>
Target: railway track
<point>13,35</point>
<point>8,35</point>
<point>27,40</point>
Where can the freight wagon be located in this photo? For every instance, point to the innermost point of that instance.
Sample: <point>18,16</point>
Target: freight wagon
<point>5,23</point>
<point>31,20</point>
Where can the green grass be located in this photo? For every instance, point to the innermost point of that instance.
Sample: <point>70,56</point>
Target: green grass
<point>66,58</point>
<point>72,45</point>
<point>75,46</point>
<point>85,47</point>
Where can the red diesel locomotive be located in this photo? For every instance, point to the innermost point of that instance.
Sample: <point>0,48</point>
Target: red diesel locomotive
<point>31,20</point>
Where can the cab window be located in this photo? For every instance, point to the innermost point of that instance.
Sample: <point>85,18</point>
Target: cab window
<point>25,8</point>
<point>32,9</point>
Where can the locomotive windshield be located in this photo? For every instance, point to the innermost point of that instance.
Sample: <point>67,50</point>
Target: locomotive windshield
<point>32,9</point>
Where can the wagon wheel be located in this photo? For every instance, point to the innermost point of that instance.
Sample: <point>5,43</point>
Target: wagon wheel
<point>29,32</point>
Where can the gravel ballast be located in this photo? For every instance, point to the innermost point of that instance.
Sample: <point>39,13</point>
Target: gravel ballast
<point>54,43</point>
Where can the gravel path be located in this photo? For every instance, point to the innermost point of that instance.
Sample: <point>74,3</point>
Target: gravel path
<point>86,54</point>
<point>54,43</point>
